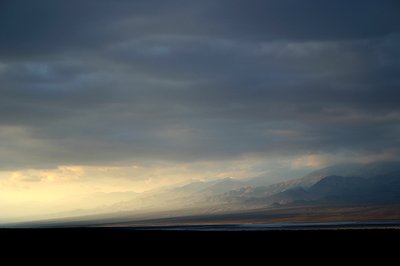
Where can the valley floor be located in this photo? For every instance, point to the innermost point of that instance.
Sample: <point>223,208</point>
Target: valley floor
<point>292,214</point>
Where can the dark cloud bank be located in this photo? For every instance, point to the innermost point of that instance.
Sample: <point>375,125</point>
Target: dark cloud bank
<point>94,82</point>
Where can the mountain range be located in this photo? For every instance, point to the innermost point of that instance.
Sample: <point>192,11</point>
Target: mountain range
<point>377,182</point>
<point>350,183</point>
<point>360,185</point>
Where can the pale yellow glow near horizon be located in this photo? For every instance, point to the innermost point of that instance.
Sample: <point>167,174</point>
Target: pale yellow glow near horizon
<point>68,187</point>
<point>75,186</point>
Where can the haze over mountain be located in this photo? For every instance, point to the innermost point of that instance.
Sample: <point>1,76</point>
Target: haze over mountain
<point>343,185</point>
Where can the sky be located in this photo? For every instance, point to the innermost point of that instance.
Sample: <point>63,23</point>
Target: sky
<point>101,96</point>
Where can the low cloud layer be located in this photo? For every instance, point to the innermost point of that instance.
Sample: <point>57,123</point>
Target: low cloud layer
<point>116,82</point>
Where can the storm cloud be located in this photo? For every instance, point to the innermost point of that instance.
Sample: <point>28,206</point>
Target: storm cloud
<point>111,82</point>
